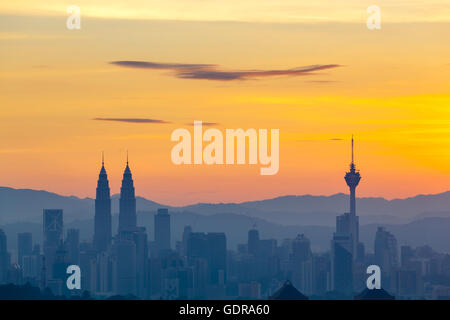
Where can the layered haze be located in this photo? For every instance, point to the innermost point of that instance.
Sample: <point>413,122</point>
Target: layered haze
<point>417,221</point>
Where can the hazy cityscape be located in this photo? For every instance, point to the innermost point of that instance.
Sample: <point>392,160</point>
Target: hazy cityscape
<point>128,263</point>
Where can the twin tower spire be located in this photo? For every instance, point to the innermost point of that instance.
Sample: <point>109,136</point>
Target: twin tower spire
<point>127,207</point>
<point>103,159</point>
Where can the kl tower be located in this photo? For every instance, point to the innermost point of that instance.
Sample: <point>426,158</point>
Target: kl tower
<point>352,179</point>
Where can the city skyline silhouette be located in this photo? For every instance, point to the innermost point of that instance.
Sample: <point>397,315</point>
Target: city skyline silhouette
<point>225,150</point>
<point>125,262</point>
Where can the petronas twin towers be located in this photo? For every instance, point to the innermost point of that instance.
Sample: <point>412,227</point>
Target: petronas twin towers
<point>127,210</point>
<point>102,228</point>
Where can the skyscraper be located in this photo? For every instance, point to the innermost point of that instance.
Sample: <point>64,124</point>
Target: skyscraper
<point>24,246</point>
<point>72,245</point>
<point>302,273</point>
<point>301,249</point>
<point>352,179</point>
<point>253,242</point>
<point>197,245</point>
<point>59,274</point>
<point>186,233</point>
<point>162,229</point>
<point>341,264</point>
<point>127,207</point>
<point>4,257</point>
<point>102,228</point>
<point>386,255</point>
<point>213,248</point>
<point>124,249</point>
<point>32,264</point>
<point>217,257</point>
<point>140,240</point>
<point>53,237</point>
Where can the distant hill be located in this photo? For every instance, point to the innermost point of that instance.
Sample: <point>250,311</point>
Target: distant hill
<point>322,210</point>
<point>25,205</point>
<point>428,231</point>
<point>419,220</point>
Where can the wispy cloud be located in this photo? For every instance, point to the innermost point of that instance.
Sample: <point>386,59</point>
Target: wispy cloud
<point>212,72</point>
<point>319,140</point>
<point>132,120</point>
<point>205,124</point>
<point>157,65</point>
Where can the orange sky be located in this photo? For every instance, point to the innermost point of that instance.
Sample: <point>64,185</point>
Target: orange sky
<point>392,91</point>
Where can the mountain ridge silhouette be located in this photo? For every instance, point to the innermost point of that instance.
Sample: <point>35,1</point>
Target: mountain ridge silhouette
<point>26,205</point>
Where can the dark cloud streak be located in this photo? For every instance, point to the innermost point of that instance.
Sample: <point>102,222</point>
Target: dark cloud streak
<point>131,120</point>
<point>211,72</point>
<point>157,65</point>
<point>206,124</point>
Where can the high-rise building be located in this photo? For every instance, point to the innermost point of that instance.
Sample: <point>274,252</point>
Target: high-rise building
<point>217,257</point>
<point>200,268</point>
<point>102,227</point>
<point>407,283</point>
<point>155,277</point>
<point>31,265</point>
<point>104,263</point>
<point>341,264</point>
<point>302,263</point>
<point>53,237</point>
<point>24,246</point>
<point>88,265</point>
<point>267,259</point>
<point>347,227</point>
<point>386,255</point>
<point>267,247</point>
<point>141,242</point>
<point>59,269</point>
<point>301,249</point>
<point>162,230</point>
<point>72,245</point>
<point>186,233</point>
<point>406,254</point>
<point>125,269</point>
<point>197,245</point>
<point>4,257</point>
<point>127,205</point>
<point>213,248</point>
<point>253,242</point>
<point>321,273</point>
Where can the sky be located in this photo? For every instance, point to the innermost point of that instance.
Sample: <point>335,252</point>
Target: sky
<point>390,88</point>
